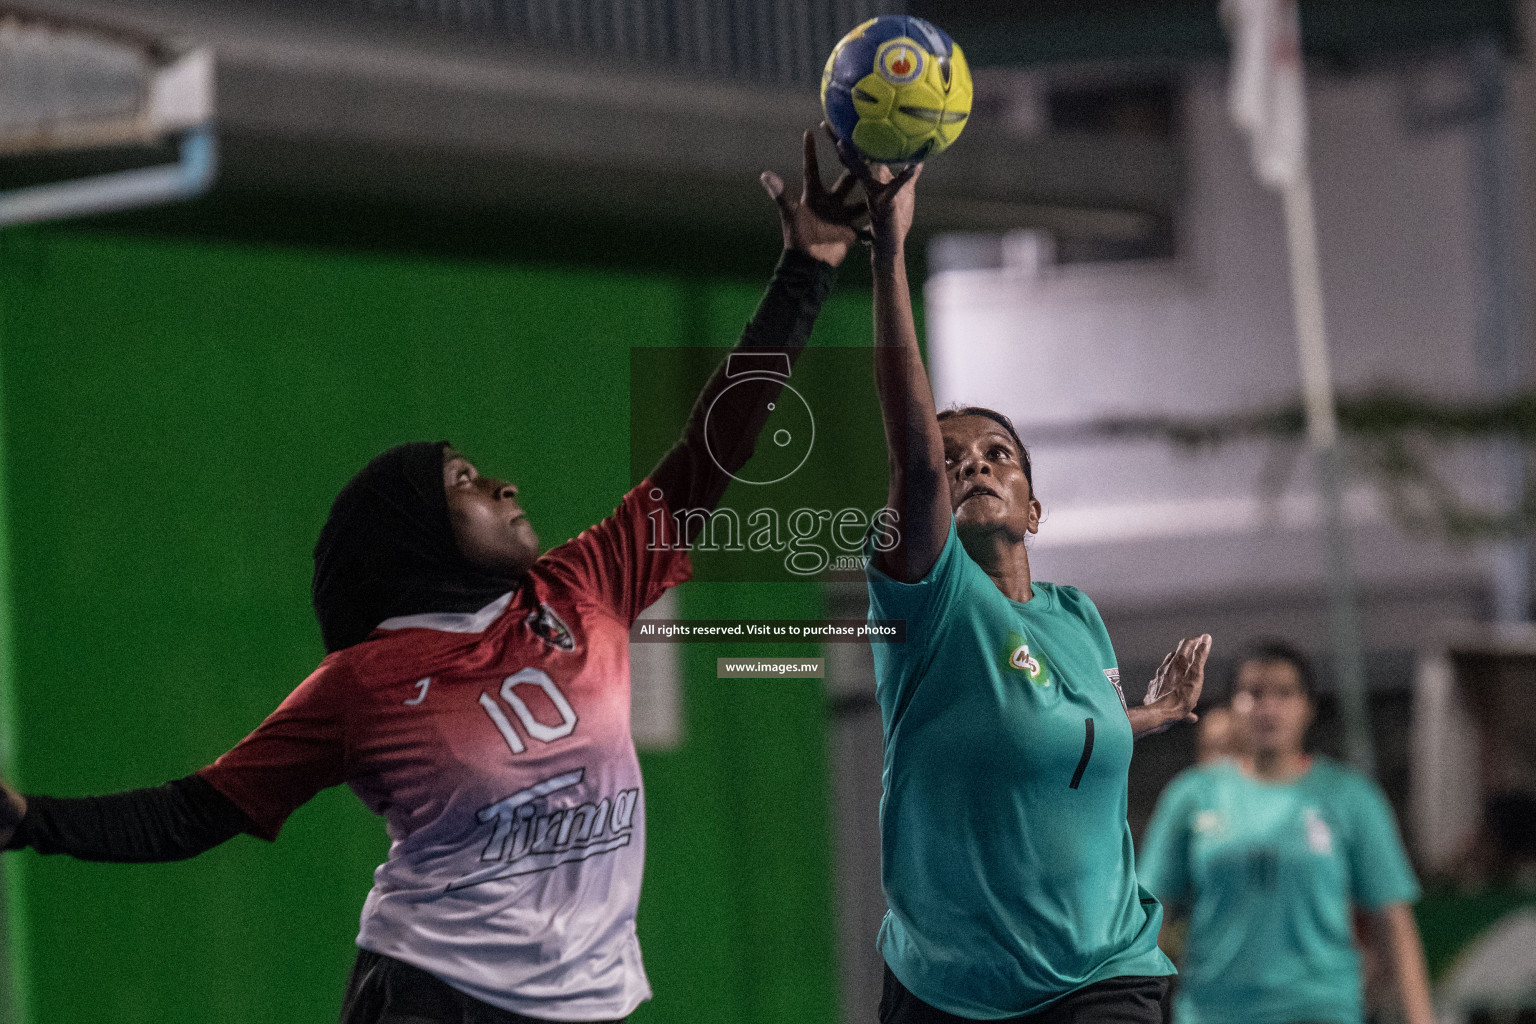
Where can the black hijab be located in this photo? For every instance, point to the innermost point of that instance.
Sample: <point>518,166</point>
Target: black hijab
<point>387,549</point>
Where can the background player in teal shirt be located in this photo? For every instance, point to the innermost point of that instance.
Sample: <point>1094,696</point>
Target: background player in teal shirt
<point>1007,863</point>
<point>1268,853</point>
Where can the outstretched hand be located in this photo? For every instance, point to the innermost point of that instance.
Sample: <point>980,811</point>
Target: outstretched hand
<point>13,807</point>
<point>1175,690</point>
<point>822,223</point>
<point>891,196</point>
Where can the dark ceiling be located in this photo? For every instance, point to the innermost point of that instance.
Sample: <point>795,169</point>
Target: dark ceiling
<point>313,154</point>
<point>1033,32</point>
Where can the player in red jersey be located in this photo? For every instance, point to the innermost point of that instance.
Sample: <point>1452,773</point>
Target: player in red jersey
<point>476,695</point>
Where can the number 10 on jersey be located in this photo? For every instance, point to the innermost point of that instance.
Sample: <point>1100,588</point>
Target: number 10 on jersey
<point>535,728</point>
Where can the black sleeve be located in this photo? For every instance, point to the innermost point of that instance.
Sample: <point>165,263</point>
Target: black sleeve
<point>175,821</point>
<point>687,474</point>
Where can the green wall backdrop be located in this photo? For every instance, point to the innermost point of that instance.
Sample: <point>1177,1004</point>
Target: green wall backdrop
<point>177,418</point>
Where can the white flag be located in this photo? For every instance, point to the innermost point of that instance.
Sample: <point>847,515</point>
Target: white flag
<point>1267,100</point>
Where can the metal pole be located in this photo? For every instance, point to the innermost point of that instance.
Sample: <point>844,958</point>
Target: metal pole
<point>118,190</point>
<point>1323,433</point>
<point>1500,324</point>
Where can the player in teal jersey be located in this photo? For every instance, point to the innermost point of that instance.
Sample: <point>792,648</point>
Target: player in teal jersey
<point>1269,853</point>
<point>1007,862</point>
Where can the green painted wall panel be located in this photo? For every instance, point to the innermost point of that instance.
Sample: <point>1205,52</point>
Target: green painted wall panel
<point>178,417</point>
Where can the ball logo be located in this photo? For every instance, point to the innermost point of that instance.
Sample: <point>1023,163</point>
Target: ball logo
<point>900,61</point>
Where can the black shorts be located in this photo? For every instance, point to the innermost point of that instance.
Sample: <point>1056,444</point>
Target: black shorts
<point>1135,1000</point>
<point>383,990</point>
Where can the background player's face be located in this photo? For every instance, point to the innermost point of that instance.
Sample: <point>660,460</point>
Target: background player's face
<point>1220,735</point>
<point>987,486</point>
<point>1272,706</point>
<point>488,523</point>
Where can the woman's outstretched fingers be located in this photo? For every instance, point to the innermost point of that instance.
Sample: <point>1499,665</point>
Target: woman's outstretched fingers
<point>910,173</point>
<point>775,188</point>
<point>1176,657</point>
<point>1200,650</point>
<point>814,221</point>
<point>811,165</point>
<point>1203,648</point>
<point>852,159</point>
<point>829,202</point>
<point>1159,680</point>
<point>845,153</point>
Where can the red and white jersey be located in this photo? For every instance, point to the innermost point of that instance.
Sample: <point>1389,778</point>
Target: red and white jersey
<point>497,746</point>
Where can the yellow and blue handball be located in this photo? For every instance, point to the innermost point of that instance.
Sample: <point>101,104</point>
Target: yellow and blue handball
<point>898,88</point>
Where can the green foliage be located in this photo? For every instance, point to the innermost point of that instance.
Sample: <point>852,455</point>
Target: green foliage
<point>1392,438</point>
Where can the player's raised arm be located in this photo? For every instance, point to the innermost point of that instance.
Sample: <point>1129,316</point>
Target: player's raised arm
<point>818,228</point>
<point>918,490</point>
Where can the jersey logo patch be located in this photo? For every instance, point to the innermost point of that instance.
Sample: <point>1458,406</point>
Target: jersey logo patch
<point>543,621</point>
<point>1020,658</point>
<point>529,836</point>
<point>1319,835</point>
<point>1113,675</point>
<point>1030,660</point>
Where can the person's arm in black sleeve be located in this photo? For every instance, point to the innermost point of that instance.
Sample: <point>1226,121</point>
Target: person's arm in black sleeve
<point>689,475</point>
<point>818,231</point>
<point>178,820</point>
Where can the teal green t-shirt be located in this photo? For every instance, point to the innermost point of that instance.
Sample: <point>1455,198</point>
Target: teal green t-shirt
<point>1268,873</point>
<point>1006,859</point>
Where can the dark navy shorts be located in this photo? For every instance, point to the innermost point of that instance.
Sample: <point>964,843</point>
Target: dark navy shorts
<point>383,990</point>
<point>1136,1000</point>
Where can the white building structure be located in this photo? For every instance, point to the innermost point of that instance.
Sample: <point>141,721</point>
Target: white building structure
<point>1229,540</point>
